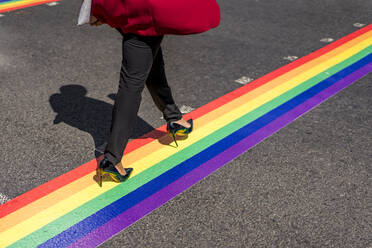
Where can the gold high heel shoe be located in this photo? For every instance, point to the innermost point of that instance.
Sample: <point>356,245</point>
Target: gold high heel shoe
<point>107,168</point>
<point>175,129</point>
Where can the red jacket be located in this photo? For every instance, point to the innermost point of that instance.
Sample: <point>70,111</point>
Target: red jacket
<point>158,17</point>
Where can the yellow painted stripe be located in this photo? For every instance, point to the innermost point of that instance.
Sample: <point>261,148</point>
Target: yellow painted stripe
<point>92,191</point>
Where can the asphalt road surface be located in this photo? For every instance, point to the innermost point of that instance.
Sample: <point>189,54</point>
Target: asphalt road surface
<point>309,185</point>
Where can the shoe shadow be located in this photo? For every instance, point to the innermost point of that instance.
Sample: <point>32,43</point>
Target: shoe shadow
<point>168,140</point>
<point>93,116</point>
<point>105,178</point>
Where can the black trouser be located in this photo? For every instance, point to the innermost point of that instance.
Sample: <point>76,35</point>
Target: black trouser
<point>142,64</point>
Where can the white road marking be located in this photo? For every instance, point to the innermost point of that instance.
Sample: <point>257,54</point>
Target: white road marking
<point>290,58</point>
<point>359,25</point>
<point>52,3</point>
<point>1,15</point>
<point>186,109</point>
<point>327,40</point>
<point>244,80</point>
<point>3,198</point>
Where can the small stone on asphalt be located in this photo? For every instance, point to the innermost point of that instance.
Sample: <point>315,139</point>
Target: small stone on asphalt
<point>3,198</point>
<point>327,40</point>
<point>290,58</point>
<point>52,3</point>
<point>186,109</point>
<point>244,80</point>
<point>359,25</point>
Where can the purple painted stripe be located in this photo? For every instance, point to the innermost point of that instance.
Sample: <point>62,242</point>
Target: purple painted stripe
<point>135,213</point>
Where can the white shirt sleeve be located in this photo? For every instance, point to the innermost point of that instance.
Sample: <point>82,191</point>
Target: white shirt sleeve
<point>84,15</point>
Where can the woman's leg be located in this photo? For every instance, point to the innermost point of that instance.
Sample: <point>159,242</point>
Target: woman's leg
<point>160,91</point>
<point>138,55</point>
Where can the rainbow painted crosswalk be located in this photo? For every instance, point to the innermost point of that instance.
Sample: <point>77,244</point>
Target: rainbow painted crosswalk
<point>10,5</point>
<point>73,211</point>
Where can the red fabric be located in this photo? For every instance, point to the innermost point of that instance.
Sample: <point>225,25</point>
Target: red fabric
<point>158,17</point>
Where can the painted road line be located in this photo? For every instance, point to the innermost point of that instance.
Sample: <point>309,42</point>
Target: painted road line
<point>53,185</point>
<point>304,76</point>
<point>300,104</point>
<point>8,1</point>
<point>45,216</point>
<point>70,234</point>
<point>125,219</point>
<point>20,4</point>
<point>16,2</point>
<point>135,213</point>
<point>123,187</point>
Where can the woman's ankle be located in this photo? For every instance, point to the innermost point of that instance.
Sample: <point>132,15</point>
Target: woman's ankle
<point>183,122</point>
<point>120,169</point>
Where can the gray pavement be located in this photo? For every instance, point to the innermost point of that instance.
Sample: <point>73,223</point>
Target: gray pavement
<point>309,185</point>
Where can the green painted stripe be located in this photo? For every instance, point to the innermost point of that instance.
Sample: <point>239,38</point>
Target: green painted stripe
<point>89,208</point>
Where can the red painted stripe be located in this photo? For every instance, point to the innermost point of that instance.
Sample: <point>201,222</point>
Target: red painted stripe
<point>82,170</point>
<point>25,6</point>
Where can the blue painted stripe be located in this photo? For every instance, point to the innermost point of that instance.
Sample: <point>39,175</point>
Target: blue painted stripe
<point>104,215</point>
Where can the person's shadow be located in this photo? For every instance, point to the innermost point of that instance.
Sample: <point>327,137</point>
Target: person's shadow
<point>74,108</point>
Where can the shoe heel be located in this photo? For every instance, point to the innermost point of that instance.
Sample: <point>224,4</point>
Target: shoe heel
<point>174,138</point>
<point>100,177</point>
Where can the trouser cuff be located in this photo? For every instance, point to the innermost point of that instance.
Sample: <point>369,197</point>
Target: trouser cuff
<point>172,113</point>
<point>110,157</point>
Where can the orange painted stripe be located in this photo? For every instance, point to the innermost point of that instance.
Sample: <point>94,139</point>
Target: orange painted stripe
<point>83,170</point>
